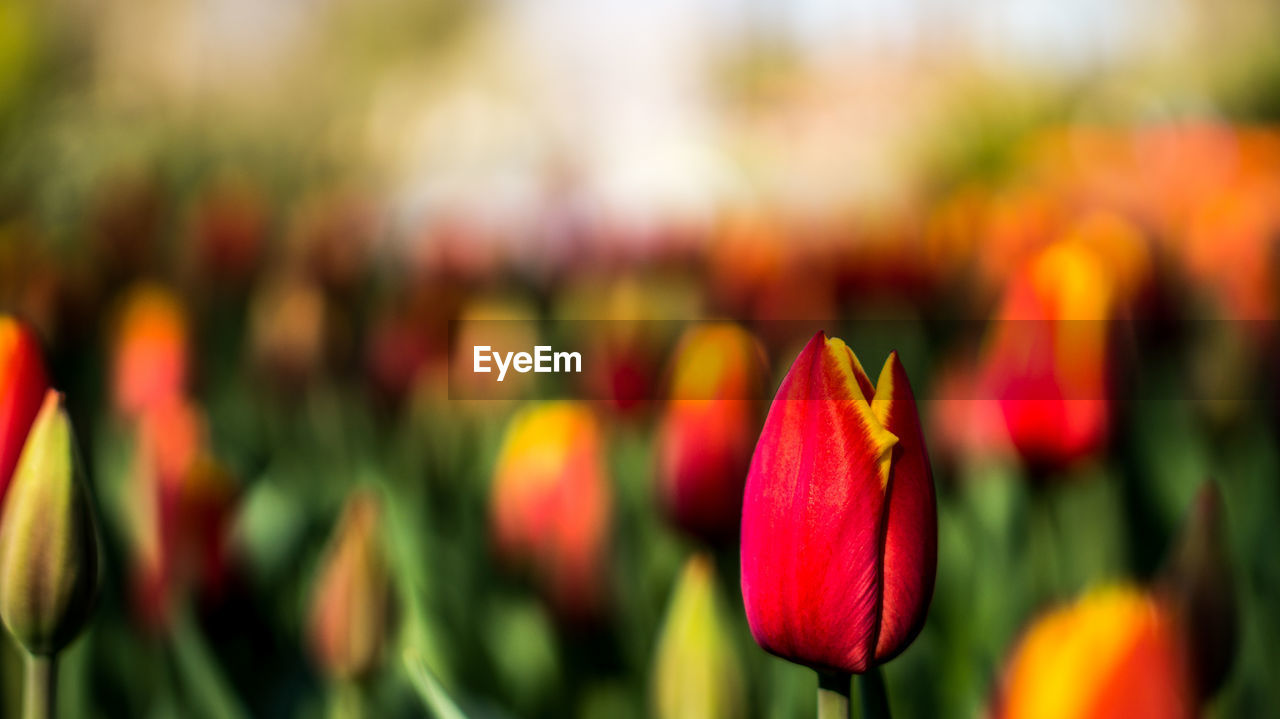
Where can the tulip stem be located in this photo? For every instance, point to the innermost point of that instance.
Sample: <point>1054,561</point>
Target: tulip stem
<point>346,701</point>
<point>833,695</point>
<point>40,700</point>
<point>875,702</point>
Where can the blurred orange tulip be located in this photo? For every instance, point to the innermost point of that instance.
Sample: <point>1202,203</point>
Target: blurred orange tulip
<point>1114,654</point>
<point>150,350</point>
<point>348,620</point>
<point>289,331</point>
<point>551,503</point>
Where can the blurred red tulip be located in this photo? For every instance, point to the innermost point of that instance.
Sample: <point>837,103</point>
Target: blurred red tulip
<point>228,226</point>
<point>184,505</point>
<point>839,525</point>
<point>551,503</point>
<point>1114,654</point>
<point>1048,360</point>
<point>23,382</point>
<point>347,624</point>
<point>706,432</point>
<point>398,347</point>
<point>150,350</point>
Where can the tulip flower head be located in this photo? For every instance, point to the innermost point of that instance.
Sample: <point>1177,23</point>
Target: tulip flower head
<point>550,502</point>
<point>48,541</point>
<point>839,525</point>
<point>696,674</point>
<point>704,443</point>
<point>1047,363</point>
<point>183,505</point>
<point>23,383</point>
<point>348,618</point>
<point>1114,654</point>
<point>150,362</point>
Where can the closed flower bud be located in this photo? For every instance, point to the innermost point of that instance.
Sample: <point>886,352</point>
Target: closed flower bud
<point>1198,585</point>
<point>1114,654</point>
<point>696,673</point>
<point>349,601</point>
<point>23,382</point>
<point>550,503</point>
<point>48,542</point>
<point>709,423</point>
<point>839,526</point>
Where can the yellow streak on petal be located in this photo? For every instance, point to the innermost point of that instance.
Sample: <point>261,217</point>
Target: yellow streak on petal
<point>881,405</point>
<point>882,440</point>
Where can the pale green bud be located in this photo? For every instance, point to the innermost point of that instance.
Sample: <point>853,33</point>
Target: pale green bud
<point>696,672</point>
<point>48,542</point>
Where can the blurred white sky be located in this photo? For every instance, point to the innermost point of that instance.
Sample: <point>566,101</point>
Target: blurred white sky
<point>625,82</point>
<point>618,95</point>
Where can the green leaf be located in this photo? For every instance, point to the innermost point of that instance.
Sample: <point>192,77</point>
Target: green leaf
<point>433,695</point>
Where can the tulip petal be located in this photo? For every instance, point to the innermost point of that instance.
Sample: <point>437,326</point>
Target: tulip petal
<point>911,524</point>
<point>23,382</point>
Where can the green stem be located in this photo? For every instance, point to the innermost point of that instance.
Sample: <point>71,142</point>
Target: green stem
<point>40,700</point>
<point>833,696</point>
<point>875,702</point>
<point>345,702</point>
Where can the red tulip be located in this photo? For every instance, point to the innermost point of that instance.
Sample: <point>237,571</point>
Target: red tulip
<point>1047,362</point>
<point>704,443</point>
<point>551,503</point>
<point>184,502</point>
<point>839,526</point>
<point>23,382</point>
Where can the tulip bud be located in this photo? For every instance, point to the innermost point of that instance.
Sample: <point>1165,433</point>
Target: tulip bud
<point>550,503</point>
<point>1114,654</point>
<point>1197,584</point>
<point>696,673</point>
<point>839,526</point>
<point>23,382</point>
<point>348,618</point>
<point>150,362</point>
<point>48,542</point>
<point>704,443</point>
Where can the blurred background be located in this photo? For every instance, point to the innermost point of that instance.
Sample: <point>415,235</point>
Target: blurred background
<point>253,236</point>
